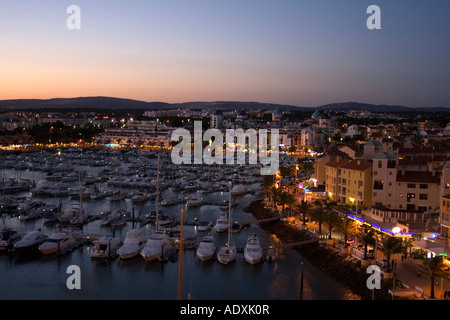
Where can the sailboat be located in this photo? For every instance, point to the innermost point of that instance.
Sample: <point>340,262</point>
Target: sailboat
<point>227,253</point>
<point>158,245</point>
<point>81,215</point>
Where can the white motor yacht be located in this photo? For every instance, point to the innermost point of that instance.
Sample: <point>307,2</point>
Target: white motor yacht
<point>59,242</point>
<point>253,251</point>
<point>221,224</point>
<point>132,245</point>
<point>157,245</point>
<point>206,248</point>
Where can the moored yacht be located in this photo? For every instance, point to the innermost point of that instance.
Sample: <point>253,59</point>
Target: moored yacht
<point>227,253</point>
<point>157,246</point>
<point>206,248</point>
<point>194,202</point>
<point>59,242</point>
<point>30,241</point>
<point>105,248</point>
<point>221,224</point>
<point>132,245</point>
<point>253,251</point>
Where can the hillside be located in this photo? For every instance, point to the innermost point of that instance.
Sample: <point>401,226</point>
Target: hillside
<point>111,103</point>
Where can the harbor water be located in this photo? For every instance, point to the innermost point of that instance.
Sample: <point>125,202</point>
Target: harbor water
<point>37,276</point>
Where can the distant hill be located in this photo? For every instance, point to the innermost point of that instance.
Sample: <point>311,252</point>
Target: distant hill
<point>80,103</point>
<point>111,103</point>
<point>346,106</point>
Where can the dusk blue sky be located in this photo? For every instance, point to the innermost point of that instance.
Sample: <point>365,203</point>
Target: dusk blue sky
<point>298,52</point>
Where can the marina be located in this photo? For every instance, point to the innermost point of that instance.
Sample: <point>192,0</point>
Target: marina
<point>139,276</point>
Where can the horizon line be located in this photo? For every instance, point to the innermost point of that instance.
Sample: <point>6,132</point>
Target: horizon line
<point>225,101</point>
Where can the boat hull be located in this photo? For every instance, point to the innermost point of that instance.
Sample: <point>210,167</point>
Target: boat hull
<point>128,253</point>
<point>253,258</point>
<point>226,255</point>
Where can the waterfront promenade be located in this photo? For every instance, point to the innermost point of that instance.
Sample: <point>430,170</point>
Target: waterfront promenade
<point>409,284</point>
<point>406,274</point>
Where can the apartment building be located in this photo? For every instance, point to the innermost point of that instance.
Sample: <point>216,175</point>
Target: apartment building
<point>445,202</point>
<point>397,188</point>
<point>349,181</point>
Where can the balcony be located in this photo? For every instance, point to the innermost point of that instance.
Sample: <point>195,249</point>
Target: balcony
<point>378,185</point>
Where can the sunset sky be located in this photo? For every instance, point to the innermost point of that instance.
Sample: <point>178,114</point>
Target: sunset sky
<point>298,52</point>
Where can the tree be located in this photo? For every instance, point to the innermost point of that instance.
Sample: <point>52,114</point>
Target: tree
<point>318,214</point>
<point>308,168</point>
<point>367,235</point>
<point>275,192</point>
<point>304,206</point>
<point>267,184</point>
<point>285,172</point>
<point>391,245</point>
<point>332,218</point>
<point>434,267</point>
<point>347,226</point>
<point>283,199</point>
<point>291,201</point>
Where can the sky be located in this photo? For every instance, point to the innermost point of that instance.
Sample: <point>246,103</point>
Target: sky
<point>297,52</point>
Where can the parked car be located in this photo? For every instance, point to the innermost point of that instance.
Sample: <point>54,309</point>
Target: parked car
<point>382,262</point>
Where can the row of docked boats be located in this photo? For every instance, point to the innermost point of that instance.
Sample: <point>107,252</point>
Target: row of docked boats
<point>253,251</point>
<point>160,245</point>
<point>59,242</point>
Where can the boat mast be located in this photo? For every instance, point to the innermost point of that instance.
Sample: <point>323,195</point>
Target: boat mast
<point>229,216</point>
<point>157,196</point>
<point>80,191</point>
<point>180,280</point>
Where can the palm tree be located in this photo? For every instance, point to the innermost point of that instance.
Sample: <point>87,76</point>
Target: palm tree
<point>267,184</point>
<point>287,171</point>
<point>332,218</point>
<point>283,199</point>
<point>304,207</point>
<point>434,268</point>
<point>275,192</point>
<point>319,215</point>
<point>367,235</point>
<point>308,167</point>
<point>391,245</point>
<point>291,201</point>
<point>347,226</point>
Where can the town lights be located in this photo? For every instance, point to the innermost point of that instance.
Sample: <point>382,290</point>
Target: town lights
<point>396,230</point>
